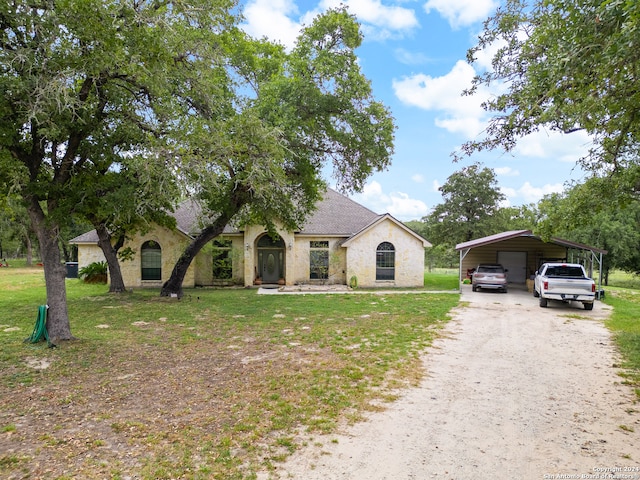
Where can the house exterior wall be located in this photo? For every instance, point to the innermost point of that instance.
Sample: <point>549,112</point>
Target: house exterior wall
<point>358,260</point>
<point>248,261</point>
<point>409,257</point>
<point>536,250</point>
<point>89,253</point>
<point>172,244</point>
<point>302,261</point>
<point>203,264</point>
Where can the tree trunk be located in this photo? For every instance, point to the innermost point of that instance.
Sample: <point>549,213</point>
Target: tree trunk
<point>174,284</point>
<point>58,326</point>
<point>29,246</point>
<point>116,282</point>
<point>65,251</point>
<point>237,200</point>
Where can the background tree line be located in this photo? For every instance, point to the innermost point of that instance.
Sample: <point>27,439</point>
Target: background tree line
<point>588,213</point>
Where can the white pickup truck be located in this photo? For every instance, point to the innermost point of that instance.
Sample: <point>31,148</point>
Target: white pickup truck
<point>564,282</point>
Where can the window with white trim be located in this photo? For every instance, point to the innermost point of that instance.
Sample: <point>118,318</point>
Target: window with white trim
<point>319,259</point>
<point>385,261</point>
<point>151,261</point>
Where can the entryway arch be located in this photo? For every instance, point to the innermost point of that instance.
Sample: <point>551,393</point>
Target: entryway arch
<point>270,261</point>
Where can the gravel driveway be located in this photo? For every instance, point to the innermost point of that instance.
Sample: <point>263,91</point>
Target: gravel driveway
<point>512,391</point>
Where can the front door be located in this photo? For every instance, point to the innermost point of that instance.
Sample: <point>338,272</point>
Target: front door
<point>270,265</point>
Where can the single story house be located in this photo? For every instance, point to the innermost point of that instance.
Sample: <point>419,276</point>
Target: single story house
<point>342,242</point>
<point>521,252</point>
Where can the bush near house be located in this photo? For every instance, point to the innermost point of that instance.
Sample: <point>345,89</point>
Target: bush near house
<point>95,272</point>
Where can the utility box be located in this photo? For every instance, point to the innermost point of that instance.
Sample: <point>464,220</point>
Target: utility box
<point>72,269</point>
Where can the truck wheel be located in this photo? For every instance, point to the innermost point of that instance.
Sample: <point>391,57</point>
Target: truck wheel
<point>535,293</point>
<point>543,302</point>
<point>588,306</point>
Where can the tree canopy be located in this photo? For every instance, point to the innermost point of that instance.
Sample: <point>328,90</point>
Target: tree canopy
<point>471,201</point>
<point>95,91</point>
<point>581,215</point>
<point>262,163</point>
<point>566,65</point>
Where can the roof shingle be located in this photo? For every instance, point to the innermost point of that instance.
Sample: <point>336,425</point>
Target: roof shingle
<point>335,215</point>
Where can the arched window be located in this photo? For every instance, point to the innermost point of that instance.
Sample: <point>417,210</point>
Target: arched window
<point>151,258</point>
<point>385,261</point>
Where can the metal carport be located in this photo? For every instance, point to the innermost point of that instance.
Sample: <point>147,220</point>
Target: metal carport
<point>525,245</point>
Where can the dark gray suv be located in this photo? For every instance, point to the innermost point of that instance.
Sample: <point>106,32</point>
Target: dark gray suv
<point>487,276</point>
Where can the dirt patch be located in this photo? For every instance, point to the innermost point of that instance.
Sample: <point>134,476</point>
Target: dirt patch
<point>512,391</point>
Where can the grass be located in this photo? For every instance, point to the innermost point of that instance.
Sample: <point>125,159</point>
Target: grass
<point>441,279</point>
<point>222,384</point>
<point>621,279</point>
<point>625,325</point>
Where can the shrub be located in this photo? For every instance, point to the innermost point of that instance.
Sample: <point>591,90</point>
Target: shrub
<point>95,272</point>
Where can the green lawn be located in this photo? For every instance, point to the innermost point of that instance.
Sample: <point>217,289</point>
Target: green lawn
<point>623,295</point>
<point>221,384</point>
<point>441,279</point>
<point>624,280</point>
<point>625,325</point>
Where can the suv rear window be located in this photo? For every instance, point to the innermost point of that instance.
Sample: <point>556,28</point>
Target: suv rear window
<point>490,269</point>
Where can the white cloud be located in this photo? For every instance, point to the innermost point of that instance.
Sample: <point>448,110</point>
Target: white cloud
<point>509,192</point>
<point>272,19</point>
<point>280,20</point>
<point>461,114</point>
<point>464,114</point>
<point>484,57</point>
<point>397,204</point>
<point>506,172</point>
<point>531,194</point>
<point>404,208</point>
<point>436,186</point>
<point>392,18</point>
<point>555,145</point>
<point>418,178</point>
<point>461,13</point>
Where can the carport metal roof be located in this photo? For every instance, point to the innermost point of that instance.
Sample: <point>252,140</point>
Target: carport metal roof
<point>596,253</point>
<point>499,237</point>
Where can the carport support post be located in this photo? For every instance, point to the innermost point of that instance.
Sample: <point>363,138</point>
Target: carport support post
<point>463,253</point>
<point>599,271</point>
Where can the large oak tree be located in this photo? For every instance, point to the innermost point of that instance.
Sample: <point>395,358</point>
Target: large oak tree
<point>302,111</point>
<point>89,86</point>
<point>471,200</point>
<point>566,65</point>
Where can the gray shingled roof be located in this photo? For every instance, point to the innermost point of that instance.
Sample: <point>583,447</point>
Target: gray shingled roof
<point>88,237</point>
<point>336,214</point>
<point>186,216</point>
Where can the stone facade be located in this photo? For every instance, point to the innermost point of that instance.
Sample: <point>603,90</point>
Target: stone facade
<point>342,233</point>
<point>172,244</point>
<point>355,258</point>
<point>409,256</point>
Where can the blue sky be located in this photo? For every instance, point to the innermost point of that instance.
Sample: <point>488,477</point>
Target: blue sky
<point>414,54</point>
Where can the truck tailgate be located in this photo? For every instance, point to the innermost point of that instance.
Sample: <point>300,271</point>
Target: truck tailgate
<point>570,286</point>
